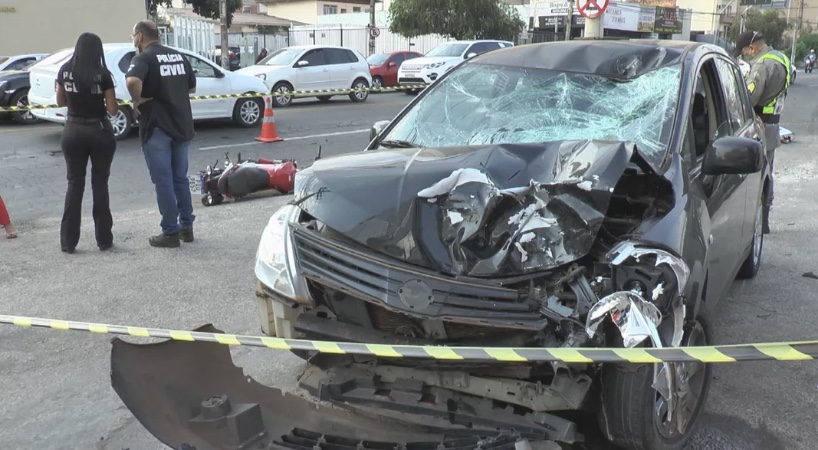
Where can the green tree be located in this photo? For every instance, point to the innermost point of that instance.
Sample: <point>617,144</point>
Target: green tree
<point>205,8</point>
<point>769,23</point>
<point>458,19</point>
<point>803,45</point>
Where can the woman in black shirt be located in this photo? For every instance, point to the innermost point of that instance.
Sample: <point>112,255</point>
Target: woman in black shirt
<point>86,86</point>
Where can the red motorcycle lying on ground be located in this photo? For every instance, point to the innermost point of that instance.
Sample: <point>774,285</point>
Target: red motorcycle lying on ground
<point>237,180</point>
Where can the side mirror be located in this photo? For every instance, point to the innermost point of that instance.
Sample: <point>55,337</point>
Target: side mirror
<point>733,155</point>
<point>377,128</point>
<point>392,64</point>
<point>302,63</point>
<point>471,55</point>
<point>219,74</point>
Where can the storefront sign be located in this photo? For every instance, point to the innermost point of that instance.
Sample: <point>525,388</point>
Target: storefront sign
<point>647,18</point>
<point>621,16</point>
<point>548,9</point>
<point>662,3</point>
<point>668,20</point>
<point>7,9</point>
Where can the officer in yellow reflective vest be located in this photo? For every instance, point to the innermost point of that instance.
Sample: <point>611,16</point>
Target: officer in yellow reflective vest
<point>768,81</point>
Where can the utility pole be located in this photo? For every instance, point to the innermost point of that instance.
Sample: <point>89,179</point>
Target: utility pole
<point>225,48</point>
<point>797,30</point>
<point>371,25</point>
<point>569,20</point>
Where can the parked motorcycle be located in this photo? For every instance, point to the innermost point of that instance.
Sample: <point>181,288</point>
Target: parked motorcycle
<point>237,180</point>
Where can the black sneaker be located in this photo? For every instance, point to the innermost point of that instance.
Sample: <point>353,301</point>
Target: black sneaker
<point>105,247</point>
<point>165,240</point>
<point>187,235</point>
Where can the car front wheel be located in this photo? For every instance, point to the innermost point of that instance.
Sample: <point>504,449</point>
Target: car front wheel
<point>361,90</point>
<point>634,415</point>
<point>248,112</point>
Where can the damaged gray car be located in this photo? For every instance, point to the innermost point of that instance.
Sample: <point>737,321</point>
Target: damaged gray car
<point>561,195</point>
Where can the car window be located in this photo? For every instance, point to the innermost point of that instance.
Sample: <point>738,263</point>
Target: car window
<point>20,64</point>
<point>314,57</point>
<point>709,117</point>
<point>335,56</point>
<point>201,68</point>
<point>125,62</point>
<point>411,56</point>
<point>729,83</point>
<point>399,58</point>
<point>353,58</point>
<point>483,47</point>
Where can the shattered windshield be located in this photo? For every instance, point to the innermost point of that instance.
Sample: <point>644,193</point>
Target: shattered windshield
<point>448,50</point>
<point>489,104</point>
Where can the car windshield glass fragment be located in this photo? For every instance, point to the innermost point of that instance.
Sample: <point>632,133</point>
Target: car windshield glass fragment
<point>448,50</point>
<point>280,58</point>
<point>377,59</point>
<point>482,104</point>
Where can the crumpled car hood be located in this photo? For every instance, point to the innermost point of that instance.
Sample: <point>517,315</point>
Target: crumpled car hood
<point>481,211</point>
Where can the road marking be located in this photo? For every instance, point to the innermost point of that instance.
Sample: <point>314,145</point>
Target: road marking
<point>297,138</point>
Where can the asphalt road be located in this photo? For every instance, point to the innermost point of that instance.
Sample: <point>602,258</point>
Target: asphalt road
<point>55,385</point>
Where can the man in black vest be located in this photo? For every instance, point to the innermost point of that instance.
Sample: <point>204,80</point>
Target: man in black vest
<point>159,81</point>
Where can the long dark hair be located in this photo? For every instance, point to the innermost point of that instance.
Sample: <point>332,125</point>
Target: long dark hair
<point>88,62</point>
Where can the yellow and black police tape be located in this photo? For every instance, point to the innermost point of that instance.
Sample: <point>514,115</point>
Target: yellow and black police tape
<point>776,351</point>
<point>310,93</point>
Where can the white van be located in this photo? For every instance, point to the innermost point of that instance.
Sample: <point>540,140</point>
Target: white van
<point>210,80</point>
<point>443,58</point>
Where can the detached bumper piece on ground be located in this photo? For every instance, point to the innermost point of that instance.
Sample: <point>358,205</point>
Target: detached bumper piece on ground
<point>191,396</point>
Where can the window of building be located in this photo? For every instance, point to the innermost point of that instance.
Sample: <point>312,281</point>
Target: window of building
<point>330,9</point>
<point>343,10</point>
<point>356,9</point>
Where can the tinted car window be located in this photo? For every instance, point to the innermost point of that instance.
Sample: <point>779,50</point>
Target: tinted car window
<point>314,57</point>
<point>20,64</point>
<point>125,62</point>
<point>398,59</point>
<point>732,95</point>
<point>483,47</point>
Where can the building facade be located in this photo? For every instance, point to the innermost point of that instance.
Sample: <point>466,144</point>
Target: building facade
<point>60,23</point>
<point>308,11</point>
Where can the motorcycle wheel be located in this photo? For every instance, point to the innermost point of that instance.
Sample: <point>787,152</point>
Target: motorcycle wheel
<point>212,200</point>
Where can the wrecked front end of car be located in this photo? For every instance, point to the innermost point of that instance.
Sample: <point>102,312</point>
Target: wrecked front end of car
<point>563,244</point>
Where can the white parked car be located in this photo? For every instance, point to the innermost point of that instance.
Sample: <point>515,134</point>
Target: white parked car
<point>443,58</point>
<point>20,62</point>
<point>210,80</point>
<point>312,67</point>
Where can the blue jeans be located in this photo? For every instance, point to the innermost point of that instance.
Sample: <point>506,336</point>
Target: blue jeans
<point>168,162</point>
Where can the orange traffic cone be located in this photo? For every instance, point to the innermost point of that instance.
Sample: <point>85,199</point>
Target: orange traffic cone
<point>269,133</point>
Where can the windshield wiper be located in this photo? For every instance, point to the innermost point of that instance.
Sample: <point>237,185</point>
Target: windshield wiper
<point>397,144</point>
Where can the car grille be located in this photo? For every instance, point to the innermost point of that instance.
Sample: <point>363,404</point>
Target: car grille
<point>411,80</point>
<point>362,274</point>
<point>300,439</point>
<point>397,323</point>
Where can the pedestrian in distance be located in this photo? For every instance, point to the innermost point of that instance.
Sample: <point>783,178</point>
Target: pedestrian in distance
<point>86,87</point>
<point>768,81</point>
<point>5,221</point>
<point>160,80</point>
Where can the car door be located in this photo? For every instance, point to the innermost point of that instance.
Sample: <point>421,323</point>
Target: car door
<point>312,71</point>
<point>724,195</point>
<point>209,81</point>
<point>390,78</point>
<point>742,119</point>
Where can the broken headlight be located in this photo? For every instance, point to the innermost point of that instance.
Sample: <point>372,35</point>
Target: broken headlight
<point>275,257</point>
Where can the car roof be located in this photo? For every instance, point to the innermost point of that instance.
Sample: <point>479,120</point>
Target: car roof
<point>611,58</point>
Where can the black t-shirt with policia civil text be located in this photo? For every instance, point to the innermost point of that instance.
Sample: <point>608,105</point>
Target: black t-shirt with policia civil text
<point>85,103</point>
<point>167,78</point>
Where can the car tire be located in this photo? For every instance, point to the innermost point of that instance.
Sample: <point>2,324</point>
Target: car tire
<point>248,112</point>
<point>122,122</point>
<point>749,269</point>
<point>630,407</point>
<point>377,84</point>
<point>324,98</point>
<point>358,97</point>
<point>20,98</point>
<point>282,94</point>
<point>212,200</point>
